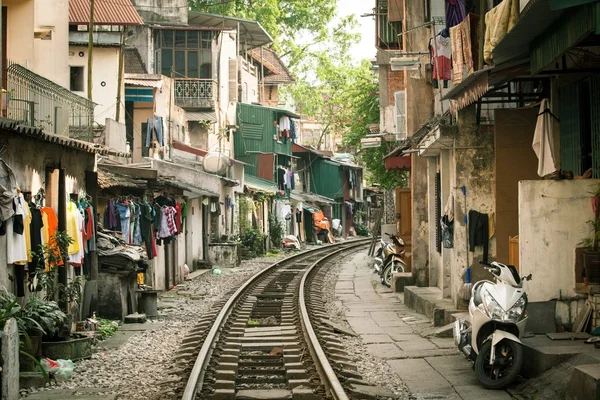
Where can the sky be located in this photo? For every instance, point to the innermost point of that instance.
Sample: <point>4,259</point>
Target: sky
<point>366,26</point>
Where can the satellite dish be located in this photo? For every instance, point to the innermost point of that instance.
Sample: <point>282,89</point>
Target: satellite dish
<point>216,163</point>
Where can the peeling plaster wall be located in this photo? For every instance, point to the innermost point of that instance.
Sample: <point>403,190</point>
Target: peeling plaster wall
<point>473,168</point>
<point>553,219</point>
<point>419,110</point>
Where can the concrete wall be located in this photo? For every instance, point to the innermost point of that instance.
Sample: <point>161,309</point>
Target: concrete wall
<point>115,135</point>
<point>141,39</point>
<point>474,169</point>
<point>165,12</point>
<point>227,50</point>
<point>248,82</point>
<point>105,71</point>
<point>51,55</point>
<point>21,24</point>
<point>553,219</point>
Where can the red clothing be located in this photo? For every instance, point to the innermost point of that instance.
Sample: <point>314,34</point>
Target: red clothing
<point>178,217</point>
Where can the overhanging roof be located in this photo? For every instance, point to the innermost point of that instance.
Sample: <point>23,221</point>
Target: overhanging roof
<point>259,184</point>
<point>252,34</point>
<point>106,12</point>
<point>311,198</point>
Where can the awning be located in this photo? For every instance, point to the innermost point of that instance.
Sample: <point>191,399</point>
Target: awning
<point>259,184</point>
<point>252,34</point>
<point>311,198</point>
<point>153,83</point>
<point>201,116</point>
<point>398,162</point>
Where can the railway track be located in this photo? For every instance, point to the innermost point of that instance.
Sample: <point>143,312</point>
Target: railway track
<point>268,341</point>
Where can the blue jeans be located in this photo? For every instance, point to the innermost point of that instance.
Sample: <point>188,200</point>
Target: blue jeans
<point>156,123</point>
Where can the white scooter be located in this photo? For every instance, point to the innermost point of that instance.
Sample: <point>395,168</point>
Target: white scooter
<point>491,334</point>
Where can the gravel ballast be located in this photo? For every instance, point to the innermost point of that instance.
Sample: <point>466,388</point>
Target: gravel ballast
<point>136,369</point>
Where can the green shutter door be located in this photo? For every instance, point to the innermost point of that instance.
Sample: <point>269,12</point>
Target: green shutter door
<point>570,131</point>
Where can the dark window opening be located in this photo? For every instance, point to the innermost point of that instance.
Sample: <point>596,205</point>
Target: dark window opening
<point>76,79</point>
<point>187,52</point>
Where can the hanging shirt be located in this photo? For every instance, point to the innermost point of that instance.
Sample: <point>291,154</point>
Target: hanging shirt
<point>77,258</point>
<point>37,224</point>
<point>48,231</point>
<point>16,244</point>
<point>284,124</point>
<point>73,228</point>
<point>27,225</point>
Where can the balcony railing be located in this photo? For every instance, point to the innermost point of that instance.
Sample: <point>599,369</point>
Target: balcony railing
<point>195,93</point>
<point>36,101</point>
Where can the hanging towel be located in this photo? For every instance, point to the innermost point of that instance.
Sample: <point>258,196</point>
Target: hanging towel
<point>499,21</point>
<point>455,12</point>
<point>543,141</point>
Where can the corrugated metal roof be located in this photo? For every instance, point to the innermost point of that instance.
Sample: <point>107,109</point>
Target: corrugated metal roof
<point>106,12</point>
<point>201,116</point>
<point>258,184</point>
<point>144,82</point>
<point>13,126</point>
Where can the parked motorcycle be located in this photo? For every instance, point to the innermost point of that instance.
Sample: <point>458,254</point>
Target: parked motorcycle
<point>392,255</point>
<point>490,335</point>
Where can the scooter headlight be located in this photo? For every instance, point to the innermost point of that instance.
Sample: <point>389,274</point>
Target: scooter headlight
<point>495,311</point>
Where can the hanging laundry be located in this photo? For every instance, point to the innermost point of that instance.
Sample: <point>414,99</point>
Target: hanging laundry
<point>455,12</point>
<point>465,50</point>
<point>284,123</point>
<point>281,178</point>
<point>479,232</point>
<point>16,244</point>
<point>293,130</point>
<point>499,21</point>
<point>73,230</point>
<point>155,125</point>
<point>8,190</point>
<point>37,256</point>
<point>124,216</point>
<point>441,53</point>
<point>50,225</point>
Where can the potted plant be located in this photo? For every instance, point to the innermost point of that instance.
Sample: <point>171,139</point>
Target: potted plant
<point>591,254</point>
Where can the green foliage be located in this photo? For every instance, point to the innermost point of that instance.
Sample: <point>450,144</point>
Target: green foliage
<point>361,230</point>
<point>253,243</point>
<point>246,205</point>
<point>45,315</point>
<point>55,252</point>
<point>275,230</point>
<point>106,329</point>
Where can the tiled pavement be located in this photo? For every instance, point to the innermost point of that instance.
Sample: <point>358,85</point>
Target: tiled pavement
<point>430,367</point>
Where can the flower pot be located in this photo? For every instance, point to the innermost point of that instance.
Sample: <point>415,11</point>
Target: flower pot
<point>591,264</point>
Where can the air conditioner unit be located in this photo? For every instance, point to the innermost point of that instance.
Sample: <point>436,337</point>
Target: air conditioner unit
<point>368,143</point>
<point>400,107</point>
<point>404,63</point>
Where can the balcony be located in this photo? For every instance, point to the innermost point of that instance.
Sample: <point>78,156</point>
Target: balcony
<point>38,102</point>
<point>195,93</point>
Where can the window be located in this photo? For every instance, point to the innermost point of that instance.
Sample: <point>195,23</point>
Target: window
<point>188,52</point>
<point>77,79</point>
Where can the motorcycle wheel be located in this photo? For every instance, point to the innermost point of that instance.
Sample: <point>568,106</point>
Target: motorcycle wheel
<point>507,364</point>
<point>386,276</point>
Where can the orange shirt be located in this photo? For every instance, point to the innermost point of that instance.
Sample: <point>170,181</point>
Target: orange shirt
<point>49,230</point>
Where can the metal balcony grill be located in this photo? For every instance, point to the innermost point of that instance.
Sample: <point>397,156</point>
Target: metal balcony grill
<point>195,92</point>
<point>36,101</point>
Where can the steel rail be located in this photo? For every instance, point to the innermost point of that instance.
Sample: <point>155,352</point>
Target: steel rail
<point>203,358</point>
<point>331,382</point>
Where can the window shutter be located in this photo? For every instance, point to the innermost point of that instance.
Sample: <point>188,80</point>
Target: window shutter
<point>400,104</point>
<point>233,82</point>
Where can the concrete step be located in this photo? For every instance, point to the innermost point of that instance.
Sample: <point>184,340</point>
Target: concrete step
<point>584,383</point>
<point>429,302</point>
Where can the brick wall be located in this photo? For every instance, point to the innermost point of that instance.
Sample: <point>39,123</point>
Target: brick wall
<point>395,83</point>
